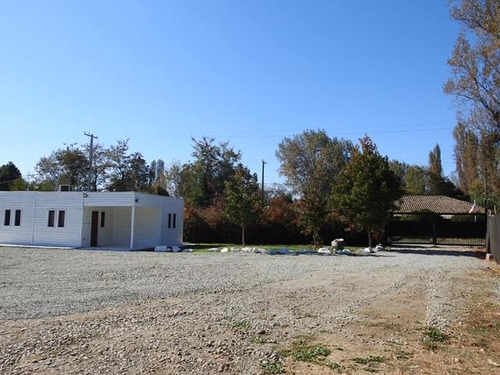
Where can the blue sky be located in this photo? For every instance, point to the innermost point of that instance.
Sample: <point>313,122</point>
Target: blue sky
<point>250,72</point>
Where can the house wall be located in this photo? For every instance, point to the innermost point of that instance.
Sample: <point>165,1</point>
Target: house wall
<point>147,231</point>
<point>35,207</point>
<point>16,234</point>
<point>151,219</point>
<point>170,235</point>
<point>167,205</point>
<point>110,199</point>
<point>121,226</point>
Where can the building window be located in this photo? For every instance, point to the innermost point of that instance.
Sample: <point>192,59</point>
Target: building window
<point>51,219</point>
<point>103,219</point>
<point>60,219</point>
<point>6,218</point>
<point>17,218</point>
<point>175,217</point>
<point>169,221</point>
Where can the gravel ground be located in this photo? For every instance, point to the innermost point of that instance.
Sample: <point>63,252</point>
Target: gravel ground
<point>80,311</point>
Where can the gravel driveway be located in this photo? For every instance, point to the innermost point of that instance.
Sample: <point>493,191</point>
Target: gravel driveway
<point>80,311</point>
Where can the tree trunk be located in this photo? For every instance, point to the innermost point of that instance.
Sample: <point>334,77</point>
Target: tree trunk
<point>243,234</point>
<point>369,237</point>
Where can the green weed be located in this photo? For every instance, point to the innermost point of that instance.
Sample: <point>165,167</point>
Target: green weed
<point>303,352</point>
<point>335,366</point>
<point>241,325</point>
<point>433,336</point>
<point>259,339</point>
<point>370,359</point>
<point>272,367</point>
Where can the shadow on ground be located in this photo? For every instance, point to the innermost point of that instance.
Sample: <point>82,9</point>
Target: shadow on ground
<point>437,250</point>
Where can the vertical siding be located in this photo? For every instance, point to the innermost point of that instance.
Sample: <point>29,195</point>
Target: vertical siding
<point>17,201</point>
<point>71,233</point>
<point>86,226</point>
<point>121,226</point>
<point>172,236</point>
<point>34,208</point>
<point>105,234</point>
<point>147,228</point>
<point>168,236</point>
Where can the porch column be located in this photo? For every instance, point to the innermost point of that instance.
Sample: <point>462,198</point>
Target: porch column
<point>132,226</point>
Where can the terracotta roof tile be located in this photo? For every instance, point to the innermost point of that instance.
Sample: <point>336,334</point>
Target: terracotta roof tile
<point>436,203</point>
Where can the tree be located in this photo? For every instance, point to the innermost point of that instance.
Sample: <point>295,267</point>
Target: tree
<point>9,176</point>
<point>131,174</point>
<point>66,166</point>
<point>416,180</point>
<point>311,163</point>
<point>173,179</point>
<point>201,182</point>
<point>101,164</point>
<point>400,169</point>
<point>241,195</point>
<point>476,63</point>
<point>439,184</point>
<point>281,211</point>
<point>466,157</point>
<point>367,190</point>
<point>435,171</point>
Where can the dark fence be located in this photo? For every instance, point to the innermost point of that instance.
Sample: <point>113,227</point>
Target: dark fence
<point>198,231</point>
<point>428,228</point>
<point>493,237</point>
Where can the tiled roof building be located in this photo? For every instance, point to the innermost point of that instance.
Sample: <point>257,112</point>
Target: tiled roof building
<point>439,204</point>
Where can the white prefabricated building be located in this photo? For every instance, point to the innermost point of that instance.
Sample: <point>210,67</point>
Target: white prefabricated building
<point>124,220</point>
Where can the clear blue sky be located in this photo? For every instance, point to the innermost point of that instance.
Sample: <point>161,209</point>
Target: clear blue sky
<point>245,71</point>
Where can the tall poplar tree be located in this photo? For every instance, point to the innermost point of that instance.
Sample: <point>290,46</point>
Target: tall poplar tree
<point>475,63</point>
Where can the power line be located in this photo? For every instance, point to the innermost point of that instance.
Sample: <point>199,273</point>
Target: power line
<point>91,156</point>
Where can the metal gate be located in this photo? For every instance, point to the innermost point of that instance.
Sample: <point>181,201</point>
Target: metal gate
<point>437,229</point>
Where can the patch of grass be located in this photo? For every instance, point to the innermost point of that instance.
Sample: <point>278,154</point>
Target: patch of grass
<point>301,351</point>
<point>401,354</point>
<point>243,325</point>
<point>480,331</point>
<point>335,366</point>
<point>259,339</point>
<point>433,336</point>
<point>430,345</point>
<point>272,367</point>
<point>482,342</point>
<point>370,359</point>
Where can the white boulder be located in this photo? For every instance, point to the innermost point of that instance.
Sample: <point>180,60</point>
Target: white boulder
<point>365,251</point>
<point>324,251</point>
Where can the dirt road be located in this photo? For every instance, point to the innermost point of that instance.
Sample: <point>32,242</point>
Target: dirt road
<point>400,312</point>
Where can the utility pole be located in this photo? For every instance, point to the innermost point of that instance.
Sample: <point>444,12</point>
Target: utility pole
<point>91,156</point>
<point>263,164</point>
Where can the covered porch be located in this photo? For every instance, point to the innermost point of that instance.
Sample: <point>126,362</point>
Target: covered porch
<point>121,228</point>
